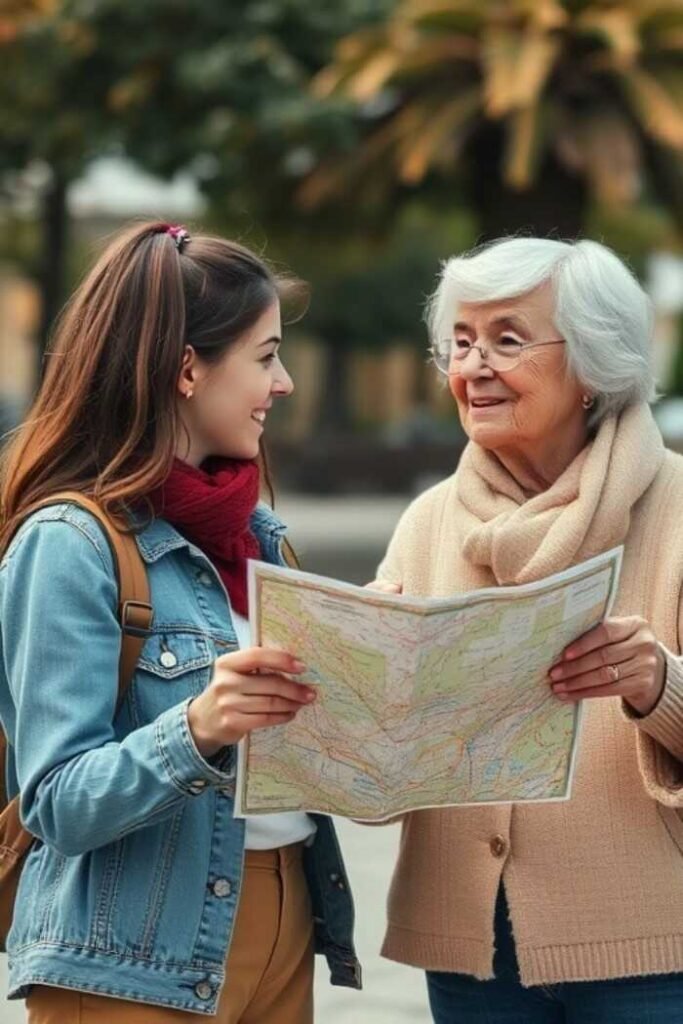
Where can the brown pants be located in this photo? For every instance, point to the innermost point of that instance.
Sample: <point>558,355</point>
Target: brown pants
<point>269,970</point>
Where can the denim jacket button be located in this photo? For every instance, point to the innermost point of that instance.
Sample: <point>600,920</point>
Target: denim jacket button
<point>168,659</point>
<point>203,990</point>
<point>222,887</point>
<point>205,579</point>
<point>198,786</point>
<point>337,881</point>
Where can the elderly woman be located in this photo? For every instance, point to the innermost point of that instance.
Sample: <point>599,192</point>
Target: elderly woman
<point>569,912</point>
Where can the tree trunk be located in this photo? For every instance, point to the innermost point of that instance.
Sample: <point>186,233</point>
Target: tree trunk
<point>554,206</point>
<point>52,273</point>
<point>666,174</point>
<point>334,410</point>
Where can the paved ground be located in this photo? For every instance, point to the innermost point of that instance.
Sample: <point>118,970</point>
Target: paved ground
<point>345,537</point>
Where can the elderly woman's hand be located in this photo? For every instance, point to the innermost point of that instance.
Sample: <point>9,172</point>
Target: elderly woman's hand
<point>619,658</point>
<point>384,586</point>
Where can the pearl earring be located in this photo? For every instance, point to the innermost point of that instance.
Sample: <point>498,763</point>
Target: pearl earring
<point>587,401</point>
<point>189,393</point>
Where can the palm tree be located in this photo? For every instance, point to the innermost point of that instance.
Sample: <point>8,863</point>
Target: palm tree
<point>533,106</point>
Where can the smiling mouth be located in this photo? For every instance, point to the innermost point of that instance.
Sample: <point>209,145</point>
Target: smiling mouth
<point>485,403</point>
<point>259,417</point>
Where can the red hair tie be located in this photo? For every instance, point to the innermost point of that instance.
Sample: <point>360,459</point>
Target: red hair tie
<point>178,233</point>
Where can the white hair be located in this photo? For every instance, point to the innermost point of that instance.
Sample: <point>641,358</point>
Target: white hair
<point>601,310</point>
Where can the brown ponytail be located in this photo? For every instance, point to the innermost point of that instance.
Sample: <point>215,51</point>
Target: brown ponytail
<point>105,421</point>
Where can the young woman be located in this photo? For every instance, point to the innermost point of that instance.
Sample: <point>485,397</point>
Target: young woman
<point>143,899</point>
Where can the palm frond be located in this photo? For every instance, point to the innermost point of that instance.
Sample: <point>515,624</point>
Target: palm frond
<point>660,114</point>
<point>516,67</point>
<point>521,146</point>
<point>604,148</point>
<point>611,71</point>
<point>434,133</point>
<point>373,75</point>
<point>617,27</point>
<point>352,53</point>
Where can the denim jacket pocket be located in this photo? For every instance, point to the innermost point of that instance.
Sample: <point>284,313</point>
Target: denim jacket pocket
<point>35,915</point>
<point>175,664</point>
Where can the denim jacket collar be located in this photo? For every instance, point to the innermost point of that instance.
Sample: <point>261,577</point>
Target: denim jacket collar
<point>159,537</point>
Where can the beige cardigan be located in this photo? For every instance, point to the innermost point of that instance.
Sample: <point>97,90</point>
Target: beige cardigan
<point>594,884</point>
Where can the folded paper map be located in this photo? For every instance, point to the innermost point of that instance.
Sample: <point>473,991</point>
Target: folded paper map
<point>421,702</point>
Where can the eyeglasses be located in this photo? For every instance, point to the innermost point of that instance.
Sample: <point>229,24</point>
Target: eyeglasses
<point>503,354</point>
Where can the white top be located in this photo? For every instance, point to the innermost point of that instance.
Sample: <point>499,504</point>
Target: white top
<point>268,831</point>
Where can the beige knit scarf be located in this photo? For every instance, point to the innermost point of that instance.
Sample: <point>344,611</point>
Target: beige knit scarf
<point>587,510</point>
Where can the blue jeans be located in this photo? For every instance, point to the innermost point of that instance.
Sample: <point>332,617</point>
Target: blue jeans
<point>461,999</point>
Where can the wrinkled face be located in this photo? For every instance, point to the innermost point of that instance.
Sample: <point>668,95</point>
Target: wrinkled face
<point>538,401</point>
<point>227,408</point>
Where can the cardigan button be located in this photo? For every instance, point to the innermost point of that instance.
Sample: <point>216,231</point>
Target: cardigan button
<point>498,846</point>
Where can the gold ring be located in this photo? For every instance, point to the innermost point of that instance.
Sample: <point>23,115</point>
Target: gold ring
<point>613,673</point>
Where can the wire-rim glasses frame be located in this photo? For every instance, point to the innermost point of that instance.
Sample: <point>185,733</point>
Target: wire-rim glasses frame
<point>448,359</point>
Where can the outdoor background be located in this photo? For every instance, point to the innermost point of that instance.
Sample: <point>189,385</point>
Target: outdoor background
<point>356,143</point>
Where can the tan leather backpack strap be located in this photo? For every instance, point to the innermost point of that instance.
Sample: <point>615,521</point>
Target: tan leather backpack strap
<point>135,611</point>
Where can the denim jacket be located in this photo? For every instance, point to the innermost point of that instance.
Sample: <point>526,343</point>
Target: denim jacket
<point>134,828</point>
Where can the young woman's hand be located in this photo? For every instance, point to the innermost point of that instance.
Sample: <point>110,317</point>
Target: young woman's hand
<point>247,691</point>
<point>619,658</point>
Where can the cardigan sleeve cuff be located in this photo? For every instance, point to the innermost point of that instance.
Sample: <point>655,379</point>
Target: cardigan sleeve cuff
<point>664,723</point>
<point>659,739</point>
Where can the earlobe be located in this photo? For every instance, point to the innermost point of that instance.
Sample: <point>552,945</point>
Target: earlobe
<point>186,378</point>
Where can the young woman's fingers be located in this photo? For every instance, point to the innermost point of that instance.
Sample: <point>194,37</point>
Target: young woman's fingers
<point>260,659</point>
<point>248,723</point>
<point>266,705</point>
<point>265,685</point>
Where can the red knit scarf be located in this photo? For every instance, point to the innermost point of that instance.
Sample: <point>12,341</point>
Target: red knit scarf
<point>212,507</point>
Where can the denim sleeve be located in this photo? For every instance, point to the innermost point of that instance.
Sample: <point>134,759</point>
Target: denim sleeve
<point>80,787</point>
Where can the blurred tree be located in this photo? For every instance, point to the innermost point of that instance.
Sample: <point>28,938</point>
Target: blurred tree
<point>222,89</point>
<point>55,119</point>
<point>368,294</point>
<point>676,384</point>
<point>634,233</point>
<point>15,14</point>
<point>531,106</point>
<point>219,89</point>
